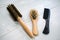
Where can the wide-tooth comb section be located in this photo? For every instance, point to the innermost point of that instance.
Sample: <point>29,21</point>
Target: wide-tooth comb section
<point>46,13</point>
<point>13,12</point>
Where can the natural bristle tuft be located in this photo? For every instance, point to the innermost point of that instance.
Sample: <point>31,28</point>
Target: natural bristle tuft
<point>33,14</point>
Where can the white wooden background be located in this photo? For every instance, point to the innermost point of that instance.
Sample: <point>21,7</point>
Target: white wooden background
<point>10,30</point>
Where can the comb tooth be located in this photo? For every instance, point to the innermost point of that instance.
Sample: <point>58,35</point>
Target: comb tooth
<point>13,13</point>
<point>46,13</point>
<point>16,10</point>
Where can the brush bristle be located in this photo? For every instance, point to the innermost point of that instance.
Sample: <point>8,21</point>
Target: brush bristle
<point>13,12</point>
<point>33,14</point>
<point>16,10</point>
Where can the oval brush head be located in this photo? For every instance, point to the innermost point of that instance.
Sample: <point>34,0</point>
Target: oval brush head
<point>33,14</point>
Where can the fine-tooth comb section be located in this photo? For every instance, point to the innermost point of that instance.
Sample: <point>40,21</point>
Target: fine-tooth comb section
<point>46,13</point>
<point>13,12</point>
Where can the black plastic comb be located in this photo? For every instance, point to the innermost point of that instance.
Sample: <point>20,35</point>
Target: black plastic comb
<point>46,16</point>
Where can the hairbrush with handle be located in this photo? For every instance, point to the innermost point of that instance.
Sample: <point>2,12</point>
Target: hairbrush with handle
<point>46,16</point>
<point>17,16</point>
<point>34,18</point>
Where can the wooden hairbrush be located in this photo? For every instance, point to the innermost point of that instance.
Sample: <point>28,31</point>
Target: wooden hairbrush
<point>17,16</point>
<point>34,18</point>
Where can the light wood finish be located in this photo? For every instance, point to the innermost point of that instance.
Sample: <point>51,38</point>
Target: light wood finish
<point>25,27</point>
<point>34,29</point>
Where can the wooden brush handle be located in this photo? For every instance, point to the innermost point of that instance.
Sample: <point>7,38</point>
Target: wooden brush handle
<point>34,30</point>
<point>25,27</point>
